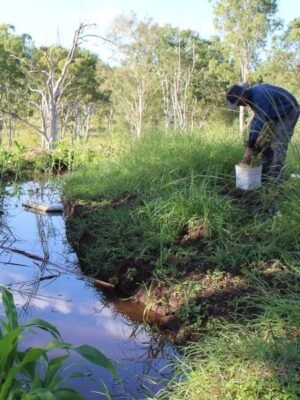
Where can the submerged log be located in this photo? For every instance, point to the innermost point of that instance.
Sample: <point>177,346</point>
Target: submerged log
<point>43,207</point>
<point>59,266</point>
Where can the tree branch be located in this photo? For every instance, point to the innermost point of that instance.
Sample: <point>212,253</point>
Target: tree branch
<point>15,115</point>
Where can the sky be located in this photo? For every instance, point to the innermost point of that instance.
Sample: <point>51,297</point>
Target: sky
<point>55,21</point>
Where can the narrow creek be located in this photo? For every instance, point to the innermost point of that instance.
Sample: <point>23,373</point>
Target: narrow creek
<point>55,291</point>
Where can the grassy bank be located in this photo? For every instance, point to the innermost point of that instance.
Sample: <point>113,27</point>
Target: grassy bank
<point>164,215</point>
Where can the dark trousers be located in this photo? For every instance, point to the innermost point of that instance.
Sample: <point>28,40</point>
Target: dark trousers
<point>274,154</point>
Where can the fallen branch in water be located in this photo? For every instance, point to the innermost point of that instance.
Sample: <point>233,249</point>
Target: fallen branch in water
<point>44,278</point>
<point>60,266</point>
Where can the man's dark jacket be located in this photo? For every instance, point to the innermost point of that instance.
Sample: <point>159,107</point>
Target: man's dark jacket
<point>269,103</point>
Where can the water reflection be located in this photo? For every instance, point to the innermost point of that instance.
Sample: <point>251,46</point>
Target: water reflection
<point>36,262</point>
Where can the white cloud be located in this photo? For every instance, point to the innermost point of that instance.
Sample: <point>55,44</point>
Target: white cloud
<point>206,29</point>
<point>42,303</point>
<point>10,276</point>
<point>103,17</point>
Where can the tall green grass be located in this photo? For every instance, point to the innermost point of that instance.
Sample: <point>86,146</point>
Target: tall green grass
<point>255,362</point>
<point>137,205</point>
<point>157,161</point>
<point>164,183</point>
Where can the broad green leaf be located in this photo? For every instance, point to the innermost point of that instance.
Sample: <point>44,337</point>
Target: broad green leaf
<point>88,352</point>
<point>29,396</point>
<point>31,355</point>
<point>66,393</point>
<point>28,369</point>
<point>9,308</point>
<point>36,382</point>
<point>5,351</point>
<point>47,396</point>
<point>44,325</point>
<point>8,349</point>
<point>96,357</point>
<point>78,375</point>
<point>53,367</point>
<point>43,394</point>
<point>5,327</point>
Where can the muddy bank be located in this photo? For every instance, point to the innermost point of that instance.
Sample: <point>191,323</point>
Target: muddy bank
<point>179,303</point>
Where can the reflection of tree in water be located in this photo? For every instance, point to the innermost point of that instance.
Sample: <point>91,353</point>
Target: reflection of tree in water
<point>6,235</point>
<point>44,228</point>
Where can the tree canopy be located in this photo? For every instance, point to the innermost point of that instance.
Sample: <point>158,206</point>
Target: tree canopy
<point>162,77</point>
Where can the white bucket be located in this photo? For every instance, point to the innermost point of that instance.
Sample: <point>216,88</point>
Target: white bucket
<point>248,178</point>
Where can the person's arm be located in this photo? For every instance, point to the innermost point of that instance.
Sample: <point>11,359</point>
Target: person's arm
<point>256,127</point>
<point>248,155</point>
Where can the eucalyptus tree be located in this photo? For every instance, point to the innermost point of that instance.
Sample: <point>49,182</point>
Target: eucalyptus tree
<point>245,26</point>
<point>175,66</point>
<point>13,91</point>
<point>291,44</point>
<point>133,84</point>
<point>37,81</point>
<point>84,96</point>
<point>282,66</point>
<point>193,74</point>
<point>162,74</point>
<point>48,79</point>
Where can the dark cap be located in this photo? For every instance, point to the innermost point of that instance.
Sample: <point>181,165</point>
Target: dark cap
<point>234,93</point>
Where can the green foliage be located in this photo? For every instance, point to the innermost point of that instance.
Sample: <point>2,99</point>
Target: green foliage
<point>148,194</point>
<point>283,65</point>
<point>12,75</point>
<point>13,162</point>
<point>167,78</point>
<point>32,374</point>
<point>238,362</point>
<point>139,214</point>
<point>246,25</point>
<point>19,162</point>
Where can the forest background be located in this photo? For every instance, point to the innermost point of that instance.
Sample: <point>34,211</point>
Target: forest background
<point>159,76</point>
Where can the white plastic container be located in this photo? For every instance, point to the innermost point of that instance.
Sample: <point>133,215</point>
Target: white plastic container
<point>248,178</point>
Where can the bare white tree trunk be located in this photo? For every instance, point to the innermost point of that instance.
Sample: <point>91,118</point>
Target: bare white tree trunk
<point>110,118</point>
<point>11,131</point>
<point>1,130</point>
<point>244,76</point>
<point>140,107</point>
<point>88,113</point>
<point>175,87</point>
<point>165,90</point>
<point>51,91</point>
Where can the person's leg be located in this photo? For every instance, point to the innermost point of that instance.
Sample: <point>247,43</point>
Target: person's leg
<point>283,131</point>
<point>267,159</point>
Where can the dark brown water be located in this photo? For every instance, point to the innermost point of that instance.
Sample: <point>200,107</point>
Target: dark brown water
<point>55,291</point>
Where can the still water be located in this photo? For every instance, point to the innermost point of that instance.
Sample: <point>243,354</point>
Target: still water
<point>39,266</point>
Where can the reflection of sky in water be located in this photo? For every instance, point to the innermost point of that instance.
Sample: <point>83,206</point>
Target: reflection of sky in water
<point>79,311</point>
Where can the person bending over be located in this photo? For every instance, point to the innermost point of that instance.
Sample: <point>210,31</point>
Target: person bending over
<point>276,113</point>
